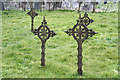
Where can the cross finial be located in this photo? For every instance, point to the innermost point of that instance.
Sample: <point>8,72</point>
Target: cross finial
<point>79,21</point>
<point>79,15</point>
<point>44,21</point>
<point>32,13</point>
<point>80,33</point>
<point>86,15</point>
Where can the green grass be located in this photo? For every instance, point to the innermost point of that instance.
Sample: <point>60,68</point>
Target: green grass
<point>21,50</point>
<point>0,44</point>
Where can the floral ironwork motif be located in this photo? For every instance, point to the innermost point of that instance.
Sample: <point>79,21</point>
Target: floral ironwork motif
<point>86,19</point>
<point>43,33</point>
<point>80,33</point>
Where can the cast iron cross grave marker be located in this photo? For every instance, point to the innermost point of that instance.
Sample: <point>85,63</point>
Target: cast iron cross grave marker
<point>43,33</point>
<point>80,33</point>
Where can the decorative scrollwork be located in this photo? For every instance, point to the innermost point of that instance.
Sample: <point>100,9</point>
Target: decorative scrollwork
<point>80,32</point>
<point>91,32</point>
<point>69,32</point>
<point>86,20</point>
<point>35,31</point>
<point>52,33</point>
<point>32,13</point>
<point>43,32</point>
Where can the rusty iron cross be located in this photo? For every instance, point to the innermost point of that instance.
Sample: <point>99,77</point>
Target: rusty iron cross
<point>43,33</point>
<point>80,33</point>
<point>32,14</point>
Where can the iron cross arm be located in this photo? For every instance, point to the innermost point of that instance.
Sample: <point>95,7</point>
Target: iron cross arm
<point>52,33</point>
<point>32,13</point>
<point>69,32</point>
<point>85,33</point>
<point>80,33</point>
<point>80,29</point>
<point>43,31</point>
<point>91,32</point>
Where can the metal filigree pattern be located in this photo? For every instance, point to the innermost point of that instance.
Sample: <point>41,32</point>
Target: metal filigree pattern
<point>80,33</point>
<point>43,33</point>
<point>86,20</point>
<point>69,32</point>
<point>91,32</point>
<point>32,14</point>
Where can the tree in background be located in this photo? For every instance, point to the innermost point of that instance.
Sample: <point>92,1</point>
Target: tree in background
<point>94,6</point>
<point>24,5</point>
<point>79,2</point>
<point>36,5</point>
<point>40,6</point>
<point>3,8</point>
<point>49,3</point>
<point>57,5</point>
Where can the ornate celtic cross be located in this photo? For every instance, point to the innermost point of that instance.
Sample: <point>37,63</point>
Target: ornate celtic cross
<point>80,33</point>
<point>43,33</point>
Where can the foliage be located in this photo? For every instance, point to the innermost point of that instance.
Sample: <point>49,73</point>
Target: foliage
<point>21,50</point>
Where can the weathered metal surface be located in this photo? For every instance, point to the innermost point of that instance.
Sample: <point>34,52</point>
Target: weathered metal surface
<point>43,33</point>
<point>86,20</point>
<point>80,33</point>
<point>32,14</point>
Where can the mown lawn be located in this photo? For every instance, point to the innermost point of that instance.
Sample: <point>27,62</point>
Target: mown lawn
<point>21,50</point>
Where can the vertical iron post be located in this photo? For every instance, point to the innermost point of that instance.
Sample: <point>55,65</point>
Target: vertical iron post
<point>43,54</point>
<point>80,33</point>
<point>43,32</point>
